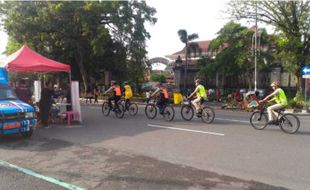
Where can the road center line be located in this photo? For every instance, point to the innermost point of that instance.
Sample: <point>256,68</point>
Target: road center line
<point>46,178</point>
<point>189,130</point>
<point>234,120</point>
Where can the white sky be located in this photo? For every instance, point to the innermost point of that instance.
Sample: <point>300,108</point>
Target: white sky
<point>204,17</point>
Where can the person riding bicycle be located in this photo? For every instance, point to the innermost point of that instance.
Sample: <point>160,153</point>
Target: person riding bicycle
<point>163,97</point>
<point>116,94</point>
<point>279,98</point>
<point>201,95</point>
<point>128,94</point>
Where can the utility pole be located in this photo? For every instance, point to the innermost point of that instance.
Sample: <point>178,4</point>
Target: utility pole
<point>255,49</point>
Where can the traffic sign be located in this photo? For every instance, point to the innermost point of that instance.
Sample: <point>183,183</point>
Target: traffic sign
<point>305,70</point>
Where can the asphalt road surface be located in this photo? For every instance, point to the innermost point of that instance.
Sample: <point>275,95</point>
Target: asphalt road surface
<point>138,153</point>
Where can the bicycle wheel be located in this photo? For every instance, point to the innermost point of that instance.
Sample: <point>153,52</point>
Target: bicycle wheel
<point>168,113</point>
<point>133,109</point>
<point>105,108</point>
<point>150,111</point>
<point>207,114</point>
<point>187,112</point>
<point>258,121</point>
<point>289,123</point>
<point>119,110</point>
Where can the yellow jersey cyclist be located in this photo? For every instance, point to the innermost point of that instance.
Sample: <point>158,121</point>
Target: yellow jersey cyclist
<point>128,94</point>
<point>279,97</point>
<point>201,95</point>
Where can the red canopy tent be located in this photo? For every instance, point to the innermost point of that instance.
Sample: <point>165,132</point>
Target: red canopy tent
<point>27,60</point>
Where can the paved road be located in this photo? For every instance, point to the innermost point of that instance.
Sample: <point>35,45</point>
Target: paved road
<point>137,153</point>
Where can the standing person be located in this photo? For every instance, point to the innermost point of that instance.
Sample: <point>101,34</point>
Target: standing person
<point>116,96</point>
<point>128,94</point>
<point>45,103</point>
<point>23,92</point>
<point>96,94</point>
<point>279,97</point>
<point>201,95</point>
<point>89,94</point>
<point>67,94</point>
<point>163,97</point>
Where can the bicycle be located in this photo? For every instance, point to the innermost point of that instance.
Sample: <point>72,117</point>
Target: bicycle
<point>187,111</point>
<point>151,110</point>
<point>288,122</point>
<point>118,110</point>
<point>132,108</point>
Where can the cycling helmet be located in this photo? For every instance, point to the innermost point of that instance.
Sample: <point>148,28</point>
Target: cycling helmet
<point>158,84</point>
<point>198,81</point>
<point>125,82</point>
<point>275,83</point>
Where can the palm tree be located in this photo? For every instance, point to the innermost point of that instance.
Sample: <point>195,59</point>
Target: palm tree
<point>185,38</point>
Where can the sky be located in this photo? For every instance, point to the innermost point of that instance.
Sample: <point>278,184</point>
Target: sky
<point>204,17</point>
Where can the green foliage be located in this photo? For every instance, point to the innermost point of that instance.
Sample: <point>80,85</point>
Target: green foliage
<point>158,77</point>
<point>291,21</point>
<point>91,36</point>
<point>232,48</point>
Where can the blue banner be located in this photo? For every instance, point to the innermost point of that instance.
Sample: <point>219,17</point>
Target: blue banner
<point>3,76</point>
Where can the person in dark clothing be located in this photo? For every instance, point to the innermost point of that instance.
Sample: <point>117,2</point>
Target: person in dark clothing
<point>68,97</point>
<point>46,103</point>
<point>23,92</point>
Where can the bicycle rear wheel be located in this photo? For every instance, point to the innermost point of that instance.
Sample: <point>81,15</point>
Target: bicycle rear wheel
<point>133,109</point>
<point>207,114</point>
<point>187,112</point>
<point>168,113</point>
<point>289,123</point>
<point>105,109</point>
<point>150,111</point>
<point>258,121</point>
<point>119,110</point>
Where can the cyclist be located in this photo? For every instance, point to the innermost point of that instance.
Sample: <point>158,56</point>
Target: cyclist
<point>279,98</point>
<point>163,97</point>
<point>128,94</point>
<point>201,95</point>
<point>116,94</point>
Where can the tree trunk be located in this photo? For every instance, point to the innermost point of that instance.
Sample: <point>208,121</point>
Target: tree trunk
<point>79,60</point>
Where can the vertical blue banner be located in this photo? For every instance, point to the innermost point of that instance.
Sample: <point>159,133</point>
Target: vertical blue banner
<point>3,76</point>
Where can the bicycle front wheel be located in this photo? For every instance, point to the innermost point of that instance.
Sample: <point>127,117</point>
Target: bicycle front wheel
<point>187,112</point>
<point>133,109</point>
<point>168,113</point>
<point>105,109</point>
<point>119,110</point>
<point>289,123</point>
<point>207,114</point>
<point>258,121</point>
<point>150,111</point>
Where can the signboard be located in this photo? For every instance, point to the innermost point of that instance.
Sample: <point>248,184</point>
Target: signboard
<point>305,70</point>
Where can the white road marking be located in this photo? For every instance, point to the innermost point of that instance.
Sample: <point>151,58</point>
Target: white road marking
<point>189,130</point>
<point>233,120</point>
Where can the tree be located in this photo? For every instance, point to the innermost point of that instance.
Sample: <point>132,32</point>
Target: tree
<point>156,77</point>
<point>92,36</point>
<point>233,57</point>
<point>291,20</point>
<point>185,38</point>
